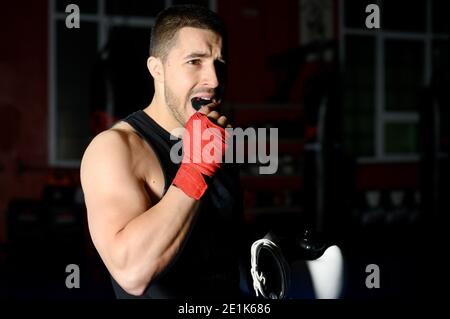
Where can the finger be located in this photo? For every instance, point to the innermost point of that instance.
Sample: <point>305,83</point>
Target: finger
<point>208,108</point>
<point>214,115</point>
<point>222,121</point>
<point>204,110</point>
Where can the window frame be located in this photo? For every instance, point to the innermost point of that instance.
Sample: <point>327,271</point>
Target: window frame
<point>383,116</point>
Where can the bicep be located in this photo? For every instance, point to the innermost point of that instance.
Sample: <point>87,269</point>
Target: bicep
<point>113,194</point>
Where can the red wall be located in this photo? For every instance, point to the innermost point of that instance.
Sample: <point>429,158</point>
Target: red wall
<point>23,100</point>
<point>388,176</point>
<point>257,29</point>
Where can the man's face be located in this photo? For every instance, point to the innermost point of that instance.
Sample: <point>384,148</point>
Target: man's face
<point>193,68</point>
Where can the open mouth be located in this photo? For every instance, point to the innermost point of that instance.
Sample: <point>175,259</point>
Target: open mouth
<point>198,102</point>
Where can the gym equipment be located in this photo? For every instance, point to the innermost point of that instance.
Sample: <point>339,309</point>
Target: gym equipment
<point>273,255</point>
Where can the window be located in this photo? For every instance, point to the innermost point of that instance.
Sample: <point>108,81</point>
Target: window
<point>385,73</point>
<point>87,71</point>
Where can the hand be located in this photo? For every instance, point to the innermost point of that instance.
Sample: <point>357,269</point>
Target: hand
<point>197,159</point>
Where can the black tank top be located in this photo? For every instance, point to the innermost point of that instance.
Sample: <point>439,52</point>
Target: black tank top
<point>206,266</point>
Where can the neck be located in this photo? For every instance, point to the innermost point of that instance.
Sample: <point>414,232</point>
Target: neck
<point>160,113</point>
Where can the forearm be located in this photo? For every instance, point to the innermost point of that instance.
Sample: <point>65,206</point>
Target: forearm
<point>147,244</point>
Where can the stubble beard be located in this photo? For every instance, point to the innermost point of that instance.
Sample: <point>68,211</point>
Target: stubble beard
<point>173,103</point>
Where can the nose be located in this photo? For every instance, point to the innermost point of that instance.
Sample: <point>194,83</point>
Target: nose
<point>211,76</point>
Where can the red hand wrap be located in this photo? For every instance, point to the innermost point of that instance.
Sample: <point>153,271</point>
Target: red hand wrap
<point>204,144</point>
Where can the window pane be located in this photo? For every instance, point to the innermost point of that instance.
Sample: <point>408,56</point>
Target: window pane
<point>355,13</point>
<point>440,85</point>
<point>401,138</point>
<point>404,74</point>
<point>440,57</point>
<point>359,95</point>
<point>134,7</point>
<point>440,16</point>
<point>125,68</point>
<point>403,15</point>
<point>86,6</point>
<point>76,53</point>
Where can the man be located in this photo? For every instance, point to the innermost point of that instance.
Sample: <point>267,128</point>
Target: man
<point>165,229</point>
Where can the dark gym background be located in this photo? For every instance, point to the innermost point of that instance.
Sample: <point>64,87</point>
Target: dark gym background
<point>363,130</point>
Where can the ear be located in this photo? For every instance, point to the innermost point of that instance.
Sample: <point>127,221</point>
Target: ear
<point>156,69</point>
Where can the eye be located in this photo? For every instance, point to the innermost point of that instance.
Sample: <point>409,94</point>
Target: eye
<point>194,62</point>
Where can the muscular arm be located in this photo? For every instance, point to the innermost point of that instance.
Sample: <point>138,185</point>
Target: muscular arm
<point>135,238</point>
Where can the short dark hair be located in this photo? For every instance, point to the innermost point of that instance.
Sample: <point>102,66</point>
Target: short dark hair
<point>172,19</point>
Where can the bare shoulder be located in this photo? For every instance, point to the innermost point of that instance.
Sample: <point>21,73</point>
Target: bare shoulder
<point>117,141</point>
<point>122,154</point>
<point>108,166</point>
<point>117,146</point>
